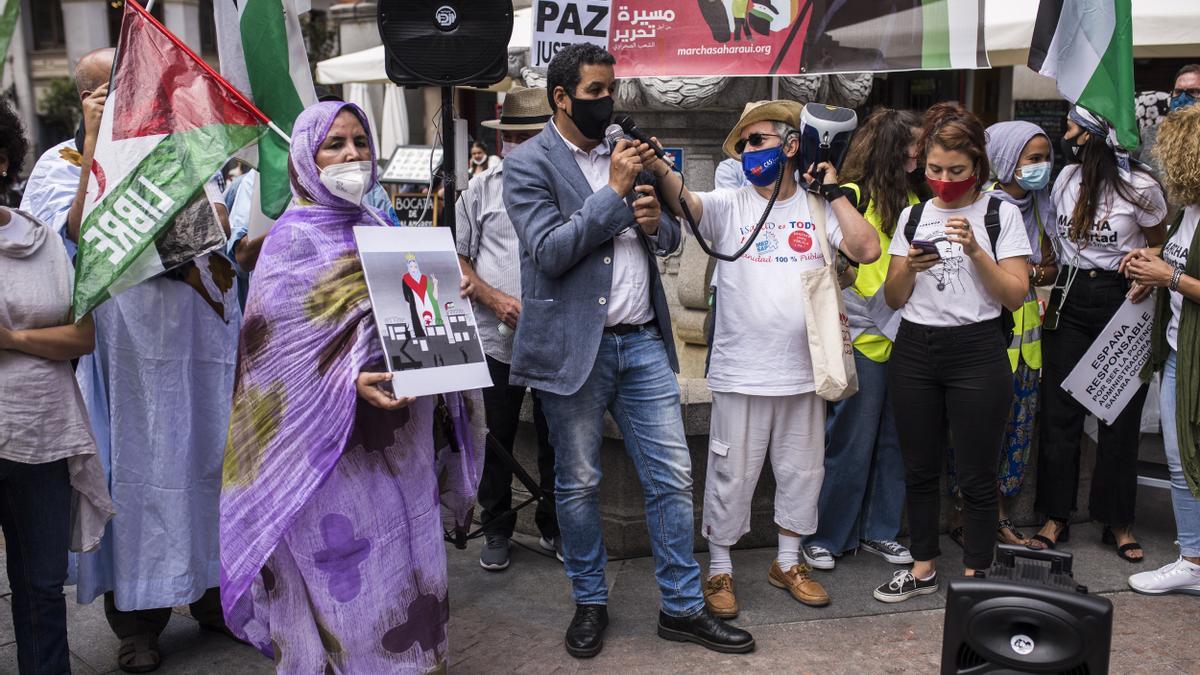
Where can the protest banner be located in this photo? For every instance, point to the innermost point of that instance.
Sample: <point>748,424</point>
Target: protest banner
<point>558,23</point>
<point>761,37</point>
<point>1107,376</point>
<point>429,334</point>
<point>413,209</point>
<point>169,124</point>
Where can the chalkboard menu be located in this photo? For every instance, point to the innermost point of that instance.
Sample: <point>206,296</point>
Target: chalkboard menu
<point>1051,116</point>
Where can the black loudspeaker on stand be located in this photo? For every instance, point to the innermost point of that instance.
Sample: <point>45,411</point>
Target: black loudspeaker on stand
<point>446,43</point>
<point>1028,615</point>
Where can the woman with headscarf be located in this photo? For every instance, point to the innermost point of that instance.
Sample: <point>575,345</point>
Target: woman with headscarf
<point>53,493</point>
<point>1175,346</point>
<point>1107,205</point>
<point>1022,158</point>
<point>331,532</point>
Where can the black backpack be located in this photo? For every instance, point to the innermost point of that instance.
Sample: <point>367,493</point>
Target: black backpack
<point>991,222</point>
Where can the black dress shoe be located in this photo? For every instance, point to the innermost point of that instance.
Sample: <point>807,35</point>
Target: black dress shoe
<point>705,630</point>
<point>585,635</point>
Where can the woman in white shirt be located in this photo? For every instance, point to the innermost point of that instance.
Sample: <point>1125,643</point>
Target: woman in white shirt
<point>1107,206</point>
<point>959,260</point>
<point>1175,348</point>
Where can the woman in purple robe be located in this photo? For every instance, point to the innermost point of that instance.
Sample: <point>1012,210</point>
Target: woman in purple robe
<point>331,521</point>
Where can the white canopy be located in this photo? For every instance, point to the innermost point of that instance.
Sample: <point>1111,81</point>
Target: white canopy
<point>367,65</point>
<point>1161,28</point>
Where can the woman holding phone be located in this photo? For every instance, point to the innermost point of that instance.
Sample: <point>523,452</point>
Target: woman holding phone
<point>959,259</point>
<point>1108,205</point>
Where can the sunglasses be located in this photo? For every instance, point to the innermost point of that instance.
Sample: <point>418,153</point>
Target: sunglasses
<point>753,140</point>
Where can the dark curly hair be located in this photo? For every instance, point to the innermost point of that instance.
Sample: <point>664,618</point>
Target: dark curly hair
<point>12,140</point>
<point>564,68</point>
<point>876,161</point>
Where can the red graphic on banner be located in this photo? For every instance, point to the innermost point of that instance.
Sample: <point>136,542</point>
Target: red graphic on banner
<point>708,37</point>
<point>800,242</point>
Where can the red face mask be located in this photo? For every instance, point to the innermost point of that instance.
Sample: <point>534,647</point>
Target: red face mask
<point>950,190</point>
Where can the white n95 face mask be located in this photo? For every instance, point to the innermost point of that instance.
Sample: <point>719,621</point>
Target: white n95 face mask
<point>348,181</point>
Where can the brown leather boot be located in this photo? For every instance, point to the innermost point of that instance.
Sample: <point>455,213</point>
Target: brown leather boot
<point>719,597</point>
<point>799,583</point>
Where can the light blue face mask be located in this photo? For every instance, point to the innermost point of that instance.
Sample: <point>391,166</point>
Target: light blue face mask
<point>1034,177</point>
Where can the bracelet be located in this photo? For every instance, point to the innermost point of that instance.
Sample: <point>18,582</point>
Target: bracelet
<point>1174,285</point>
<point>831,192</point>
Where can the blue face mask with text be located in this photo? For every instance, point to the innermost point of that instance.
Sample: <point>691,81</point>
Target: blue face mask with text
<point>1183,100</point>
<point>762,166</point>
<point>1034,176</point>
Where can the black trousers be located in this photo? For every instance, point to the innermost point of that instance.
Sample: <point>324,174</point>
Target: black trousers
<point>502,402</point>
<point>956,378</point>
<point>1089,306</point>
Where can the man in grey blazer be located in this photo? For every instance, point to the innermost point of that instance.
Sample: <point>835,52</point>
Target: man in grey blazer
<point>595,335</point>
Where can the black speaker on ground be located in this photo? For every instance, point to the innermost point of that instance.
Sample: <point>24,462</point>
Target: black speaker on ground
<point>1028,615</point>
<point>446,42</point>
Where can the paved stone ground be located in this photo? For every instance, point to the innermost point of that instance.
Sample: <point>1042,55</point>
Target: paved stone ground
<point>513,621</point>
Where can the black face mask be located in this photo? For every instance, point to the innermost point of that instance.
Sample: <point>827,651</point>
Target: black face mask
<point>1070,149</point>
<point>591,115</point>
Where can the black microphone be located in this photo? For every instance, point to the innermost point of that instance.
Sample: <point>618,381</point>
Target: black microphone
<point>631,129</point>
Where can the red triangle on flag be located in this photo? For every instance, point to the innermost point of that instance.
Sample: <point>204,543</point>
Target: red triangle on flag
<point>161,87</point>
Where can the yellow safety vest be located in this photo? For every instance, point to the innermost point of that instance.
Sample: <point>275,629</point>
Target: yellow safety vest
<point>1026,341</point>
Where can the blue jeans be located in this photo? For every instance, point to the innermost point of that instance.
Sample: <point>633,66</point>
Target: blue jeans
<point>1187,507</point>
<point>863,493</point>
<point>35,513</point>
<point>632,380</point>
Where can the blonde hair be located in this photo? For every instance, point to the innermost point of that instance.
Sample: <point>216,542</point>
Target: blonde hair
<point>1178,150</point>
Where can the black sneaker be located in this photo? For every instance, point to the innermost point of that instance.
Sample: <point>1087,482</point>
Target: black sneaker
<point>494,556</point>
<point>904,586</point>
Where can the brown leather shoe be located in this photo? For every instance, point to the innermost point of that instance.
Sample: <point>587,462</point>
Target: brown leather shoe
<point>719,597</point>
<point>798,582</point>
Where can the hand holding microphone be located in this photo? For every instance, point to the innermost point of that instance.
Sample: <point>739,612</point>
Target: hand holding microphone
<point>626,161</point>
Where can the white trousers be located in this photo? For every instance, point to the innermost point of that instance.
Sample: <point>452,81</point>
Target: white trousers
<point>743,429</point>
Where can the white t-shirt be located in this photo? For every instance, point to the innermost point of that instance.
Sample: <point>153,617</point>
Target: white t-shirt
<point>760,343</point>
<point>1175,252</point>
<point>951,293</point>
<point>1118,226</point>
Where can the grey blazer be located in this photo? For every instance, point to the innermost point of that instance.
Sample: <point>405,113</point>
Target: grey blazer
<point>566,234</point>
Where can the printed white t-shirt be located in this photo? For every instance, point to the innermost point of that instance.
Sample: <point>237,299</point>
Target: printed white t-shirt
<point>760,343</point>
<point>1119,223</point>
<point>1175,252</point>
<point>951,293</point>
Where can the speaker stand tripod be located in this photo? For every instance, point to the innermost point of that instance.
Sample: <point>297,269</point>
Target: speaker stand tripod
<point>460,538</point>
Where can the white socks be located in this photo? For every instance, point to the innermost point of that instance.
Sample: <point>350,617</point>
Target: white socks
<point>718,560</point>
<point>789,551</point>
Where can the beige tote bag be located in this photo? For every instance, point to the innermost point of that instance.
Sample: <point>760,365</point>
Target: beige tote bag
<point>829,343</point>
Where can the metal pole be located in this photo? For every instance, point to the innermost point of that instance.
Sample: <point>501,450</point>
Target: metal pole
<point>448,167</point>
<point>149,5</point>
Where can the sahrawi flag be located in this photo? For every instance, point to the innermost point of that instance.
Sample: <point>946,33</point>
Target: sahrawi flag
<point>1087,47</point>
<point>169,124</point>
<point>263,55</point>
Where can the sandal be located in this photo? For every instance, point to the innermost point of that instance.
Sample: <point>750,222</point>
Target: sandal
<point>1041,542</point>
<point>139,654</point>
<point>1107,536</point>
<point>956,535</point>
<point>1017,537</point>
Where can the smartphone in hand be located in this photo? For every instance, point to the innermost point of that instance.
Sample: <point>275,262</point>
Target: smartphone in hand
<point>926,246</point>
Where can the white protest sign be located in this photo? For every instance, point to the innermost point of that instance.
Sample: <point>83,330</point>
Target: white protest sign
<point>1106,378</point>
<point>558,23</point>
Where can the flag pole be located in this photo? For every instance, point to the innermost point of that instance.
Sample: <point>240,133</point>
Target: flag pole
<point>150,6</point>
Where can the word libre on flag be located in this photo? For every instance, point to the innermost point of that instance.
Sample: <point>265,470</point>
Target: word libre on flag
<point>1087,47</point>
<point>169,124</point>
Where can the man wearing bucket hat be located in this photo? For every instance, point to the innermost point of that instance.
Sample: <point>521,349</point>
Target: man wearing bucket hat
<point>761,372</point>
<point>490,257</point>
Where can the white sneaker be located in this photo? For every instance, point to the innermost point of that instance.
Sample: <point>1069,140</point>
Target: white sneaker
<point>1180,576</point>
<point>818,557</point>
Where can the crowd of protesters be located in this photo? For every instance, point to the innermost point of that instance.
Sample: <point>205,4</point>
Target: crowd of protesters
<point>243,453</point>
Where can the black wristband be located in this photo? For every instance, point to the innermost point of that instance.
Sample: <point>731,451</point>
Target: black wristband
<point>831,192</point>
